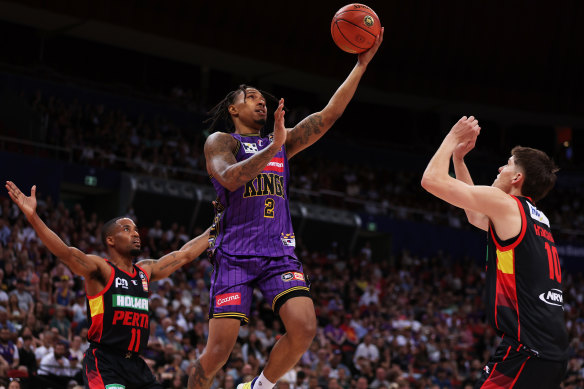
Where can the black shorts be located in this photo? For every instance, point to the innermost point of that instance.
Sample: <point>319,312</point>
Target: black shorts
<point>514,367</point>
<point>102,368</point>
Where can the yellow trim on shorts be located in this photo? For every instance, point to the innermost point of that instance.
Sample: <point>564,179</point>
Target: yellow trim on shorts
<point>287,291</point>
<point>233,315</point>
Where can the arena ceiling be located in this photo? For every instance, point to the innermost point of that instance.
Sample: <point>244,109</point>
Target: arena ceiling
<point>521,57</point>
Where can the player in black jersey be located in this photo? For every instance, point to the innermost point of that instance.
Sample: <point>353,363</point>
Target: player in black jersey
<point>117,295</point>
<point>524,278</point>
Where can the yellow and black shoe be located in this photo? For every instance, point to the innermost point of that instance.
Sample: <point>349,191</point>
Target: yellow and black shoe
<point>247,385</point>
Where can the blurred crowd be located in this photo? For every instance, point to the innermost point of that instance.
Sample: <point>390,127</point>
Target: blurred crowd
<point>404,322</point>
<point>98,135</point>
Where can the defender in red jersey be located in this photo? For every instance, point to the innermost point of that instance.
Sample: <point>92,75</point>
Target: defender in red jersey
<point>117,295</point>
<point>253,242</point>
<point>524,278</point>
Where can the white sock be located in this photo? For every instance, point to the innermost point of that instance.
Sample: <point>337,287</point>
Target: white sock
<point>262,383</point>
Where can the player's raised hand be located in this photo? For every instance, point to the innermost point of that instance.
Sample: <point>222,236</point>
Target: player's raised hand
<point>280,131</point>
<point>463,148</point>
<point>465,130</point>
<point>366,56</point>
<point>27,204</point>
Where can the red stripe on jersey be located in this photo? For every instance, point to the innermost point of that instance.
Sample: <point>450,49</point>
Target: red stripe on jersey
<point>506,290</point>
<point>95,332</point>
<point>275,165</point>
<point>521,233</point>
<point>506,294</point>
<point>94,376</point>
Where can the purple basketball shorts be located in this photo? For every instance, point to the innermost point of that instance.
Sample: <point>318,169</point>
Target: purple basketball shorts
<point>235,277</point>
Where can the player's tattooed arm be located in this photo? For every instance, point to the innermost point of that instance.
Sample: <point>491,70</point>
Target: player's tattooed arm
<point>308,131</point>
<point>165,266</point>
<point>222,165</point>
<point>80,263</point>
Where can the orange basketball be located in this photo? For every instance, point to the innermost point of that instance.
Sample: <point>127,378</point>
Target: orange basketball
<point>355,27</point>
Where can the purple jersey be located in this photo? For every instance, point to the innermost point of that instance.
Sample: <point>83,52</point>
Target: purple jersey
<point>255,219</point>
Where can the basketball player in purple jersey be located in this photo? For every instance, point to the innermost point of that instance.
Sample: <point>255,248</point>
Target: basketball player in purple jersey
<point>253,241</point>
<point>524,278</point>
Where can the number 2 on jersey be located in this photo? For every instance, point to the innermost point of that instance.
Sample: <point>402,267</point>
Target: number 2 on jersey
<point>554,262</point>
<point>269,208</point>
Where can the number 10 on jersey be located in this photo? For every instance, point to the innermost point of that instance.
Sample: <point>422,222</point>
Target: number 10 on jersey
<point>554,262</point>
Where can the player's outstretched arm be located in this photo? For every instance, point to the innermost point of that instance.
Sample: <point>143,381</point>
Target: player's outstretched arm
<point>221,162</point>
<point>314,126</point>
<point>493,202</point>
<point>165,266</point>
<point>477,219</point>
<point>79,262</point>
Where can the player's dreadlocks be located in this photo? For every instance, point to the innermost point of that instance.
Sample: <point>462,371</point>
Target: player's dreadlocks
<point>219,114</point>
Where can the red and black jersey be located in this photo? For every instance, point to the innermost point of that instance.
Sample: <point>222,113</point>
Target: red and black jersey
<point>118,316</point>
<point>524,286</point>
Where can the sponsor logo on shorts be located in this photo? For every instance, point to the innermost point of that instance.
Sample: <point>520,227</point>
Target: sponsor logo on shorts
<point>115,386</point>
<point>228,299</point>
<point>292,276</point>
<point>250,148</point>
<point>553,297</point>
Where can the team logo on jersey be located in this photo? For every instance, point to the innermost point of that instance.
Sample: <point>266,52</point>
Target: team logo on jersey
<point>260,142</point>
<point>538,215</point>
<point>115,386</point>
<point>553,297</point>
<point>144,281</point>
<point>292,276</point>
<point>120,282</point>
<point>250,148</point>
<point>228,299</point>
<point>288,239</point>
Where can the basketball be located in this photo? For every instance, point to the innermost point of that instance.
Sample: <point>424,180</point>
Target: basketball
<point>355,27</point>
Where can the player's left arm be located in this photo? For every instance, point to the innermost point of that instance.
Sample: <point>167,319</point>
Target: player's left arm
<point>488,200</point>
<point>165,266</point>
<point>314,126</point>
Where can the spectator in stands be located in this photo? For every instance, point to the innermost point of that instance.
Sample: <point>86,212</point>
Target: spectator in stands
<point>61,323</point>
<point>47,342</point>
<point>9,358</point>
<point>26,352</point>
<point>4,322</point>
<point>367,350</point>
<point>55,366</point>
<point>25,300</point>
